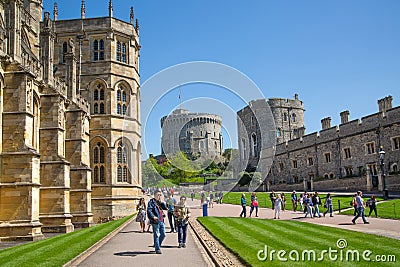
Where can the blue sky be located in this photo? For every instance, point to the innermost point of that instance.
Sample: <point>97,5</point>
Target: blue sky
<point>336,55</point>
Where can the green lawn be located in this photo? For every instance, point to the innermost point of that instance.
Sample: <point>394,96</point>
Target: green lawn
<point>389,210</point>
<point>57,250</point>
<point>246,237</point>
<point>264,201</point>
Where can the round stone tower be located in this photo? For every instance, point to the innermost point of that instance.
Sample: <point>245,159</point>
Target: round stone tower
<point>289,118</point>
<point>192,133</point>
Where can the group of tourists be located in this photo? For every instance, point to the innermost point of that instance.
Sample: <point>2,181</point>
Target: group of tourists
<point>253,205</point>
<point>178,216</point>
<point>209,198</point>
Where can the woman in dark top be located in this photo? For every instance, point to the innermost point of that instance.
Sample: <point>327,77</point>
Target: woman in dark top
<point>372,205</point>
<point>243,203</point>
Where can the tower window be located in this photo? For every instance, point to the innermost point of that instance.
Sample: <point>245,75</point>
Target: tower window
<point>98,162</point>
<point>98,100</point>
<point>98,50</point>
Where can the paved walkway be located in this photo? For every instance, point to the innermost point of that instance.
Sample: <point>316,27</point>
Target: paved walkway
<point>132,248</point>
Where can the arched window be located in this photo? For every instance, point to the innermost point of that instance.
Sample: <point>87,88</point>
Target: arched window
<point>215,145</point>
<point>284,117</point>
<point>279,132</point>
<point>98,99</point>
<point>293,117</point>
<point>98,162</point>
<point>123,175</point>
<point>122,101</point>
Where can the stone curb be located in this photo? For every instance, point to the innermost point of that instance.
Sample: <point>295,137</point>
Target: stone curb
<point>220,255</point>
<point>81,257</point>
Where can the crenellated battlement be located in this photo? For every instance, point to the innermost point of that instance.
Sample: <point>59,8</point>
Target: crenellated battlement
<point>357,126</point>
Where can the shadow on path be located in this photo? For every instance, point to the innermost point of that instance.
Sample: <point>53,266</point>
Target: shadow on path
<point>133,253</point>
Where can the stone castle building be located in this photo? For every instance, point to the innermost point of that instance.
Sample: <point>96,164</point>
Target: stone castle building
<point>69,119</point>
<point>350,149</point>
<point>288,115</point>
<point>192,133</point>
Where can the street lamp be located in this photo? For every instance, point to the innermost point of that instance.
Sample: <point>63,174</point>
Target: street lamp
<point>382,164</point>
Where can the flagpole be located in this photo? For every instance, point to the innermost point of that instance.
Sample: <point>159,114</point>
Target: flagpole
<point>180,97</point>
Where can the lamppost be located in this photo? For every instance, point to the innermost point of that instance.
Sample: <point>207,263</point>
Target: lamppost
<point>382,164</point>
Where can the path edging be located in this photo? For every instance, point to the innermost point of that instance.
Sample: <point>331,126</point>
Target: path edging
<point>220,255</point>
<point>84,255</point>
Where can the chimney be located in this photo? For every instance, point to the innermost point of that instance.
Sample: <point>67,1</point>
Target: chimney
<point>344,116</point>
<point>385,103</point>
<point>296,96</point>
<point>326,123</point>
<point>301,131</point>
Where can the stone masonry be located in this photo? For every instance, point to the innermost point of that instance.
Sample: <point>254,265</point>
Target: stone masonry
<point>69,120</point>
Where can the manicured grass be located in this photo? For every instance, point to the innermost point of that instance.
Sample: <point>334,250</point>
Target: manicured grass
<point>265,202</point>
<point>246,237</point>
<point>389,209</point>
<point>57,250</point>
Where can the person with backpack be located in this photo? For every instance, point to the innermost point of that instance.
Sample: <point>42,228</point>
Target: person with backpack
<point>182,215</point>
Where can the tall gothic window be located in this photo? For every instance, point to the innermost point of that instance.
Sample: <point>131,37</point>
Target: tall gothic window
<point>99,163</point>
<point>98,100</point>
<point>98,50</point>
<point>123,175</point>
<point>122,101</point>
<point>121,52</point>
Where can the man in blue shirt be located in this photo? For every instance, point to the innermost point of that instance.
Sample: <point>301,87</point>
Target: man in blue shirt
<point>156,217</point>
